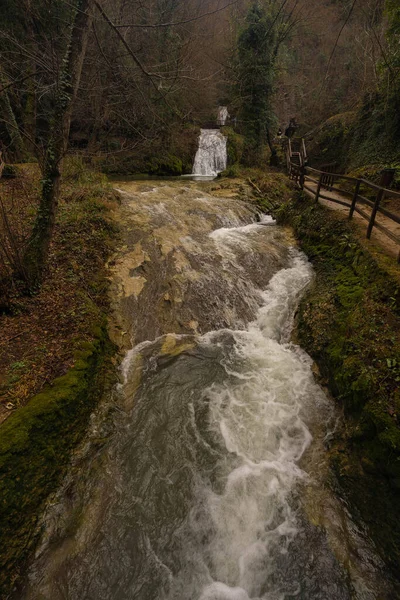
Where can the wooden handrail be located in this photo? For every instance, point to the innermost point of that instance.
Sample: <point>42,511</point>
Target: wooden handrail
<point>298,171</point>
<point>375,186</point>
<point>338,175</point>
<point>387,191</point>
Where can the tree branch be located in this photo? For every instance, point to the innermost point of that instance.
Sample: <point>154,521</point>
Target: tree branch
<point>134,57</point>
<point>173,23</point>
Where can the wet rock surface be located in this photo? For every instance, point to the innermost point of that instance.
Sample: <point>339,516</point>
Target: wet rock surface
<point>169,260</point>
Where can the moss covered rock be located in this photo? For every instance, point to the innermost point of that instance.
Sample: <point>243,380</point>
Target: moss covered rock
<point>35,449</point>
<point>168,165</point>
<point>330,143</point>
<point>235,145</point>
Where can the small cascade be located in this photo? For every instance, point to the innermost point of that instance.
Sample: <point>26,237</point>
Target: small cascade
<point>211,157</point>
<point>223,115</point>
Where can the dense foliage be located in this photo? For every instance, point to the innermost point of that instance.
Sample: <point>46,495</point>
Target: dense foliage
<point>258,46</point>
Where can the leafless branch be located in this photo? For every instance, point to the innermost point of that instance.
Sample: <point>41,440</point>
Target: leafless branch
<point>174,23</point>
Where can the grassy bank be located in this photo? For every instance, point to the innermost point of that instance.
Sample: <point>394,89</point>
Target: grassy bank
<point>55,357</point>
<point>349,322</point>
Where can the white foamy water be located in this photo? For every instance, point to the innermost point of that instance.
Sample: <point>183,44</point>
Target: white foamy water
<point>228,240</point>
<point>211,156</point>
<point>260,414</point>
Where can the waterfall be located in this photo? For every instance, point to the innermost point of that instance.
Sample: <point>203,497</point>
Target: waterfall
<point>211,157</point>
<point>223,115</point>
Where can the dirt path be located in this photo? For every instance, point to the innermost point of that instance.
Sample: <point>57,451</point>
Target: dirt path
<point>378,238</point>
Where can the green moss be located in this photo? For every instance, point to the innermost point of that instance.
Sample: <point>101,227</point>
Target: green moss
<point>231,171</point>
<point>169,165</point>
<point>365,141</point>
<point>331,142</point>
<point>170,153</point>
<point>375,135</point>
<point>235,145</point>
<point>35,447</point>
<point>10,171</point>
<point>349,322</point>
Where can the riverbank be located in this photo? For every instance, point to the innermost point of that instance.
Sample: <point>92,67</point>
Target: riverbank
<point>55,355</point>
<point>349,323</point>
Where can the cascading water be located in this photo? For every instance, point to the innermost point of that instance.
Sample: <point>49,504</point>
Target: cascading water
<point>211,157</point>
<point>203,486</point>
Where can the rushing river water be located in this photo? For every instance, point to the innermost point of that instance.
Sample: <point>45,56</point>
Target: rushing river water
<point>204,477</point>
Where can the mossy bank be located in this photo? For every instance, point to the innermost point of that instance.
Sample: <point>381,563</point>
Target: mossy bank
<point>56,363</point>
<point>35,448</point>
<point>349,322</point>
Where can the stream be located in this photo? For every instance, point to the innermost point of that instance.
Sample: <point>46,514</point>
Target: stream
<point>204,475</point>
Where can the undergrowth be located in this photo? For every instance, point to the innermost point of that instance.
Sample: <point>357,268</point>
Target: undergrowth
<point>55,360</point>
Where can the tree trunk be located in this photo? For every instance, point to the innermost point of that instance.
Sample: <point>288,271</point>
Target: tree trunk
<point>274,158</point>
<point>30,102</point>
<point>57,144</point>
<point>17,143</point>
<point>30,114</point>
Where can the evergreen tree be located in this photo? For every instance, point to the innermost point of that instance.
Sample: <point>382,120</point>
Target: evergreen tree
<point>257,52</point>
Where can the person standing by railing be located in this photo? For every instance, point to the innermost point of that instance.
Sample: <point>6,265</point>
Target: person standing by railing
<point>291,129</point>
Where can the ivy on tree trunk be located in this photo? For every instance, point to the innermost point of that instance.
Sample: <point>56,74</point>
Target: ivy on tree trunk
<point>57,142</point>
<point>259,41</point>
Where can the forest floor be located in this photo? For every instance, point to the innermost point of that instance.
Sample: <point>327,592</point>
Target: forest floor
<point>41,332</point>
<point>56,359</point>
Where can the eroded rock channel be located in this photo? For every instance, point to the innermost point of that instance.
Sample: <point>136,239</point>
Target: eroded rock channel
<point>204,476</point>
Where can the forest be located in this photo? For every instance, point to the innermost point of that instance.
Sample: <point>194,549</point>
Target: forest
<point>126,86</point>
<point>110,285</point>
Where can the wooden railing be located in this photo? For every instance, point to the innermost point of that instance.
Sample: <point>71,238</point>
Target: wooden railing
<point>356,190</point>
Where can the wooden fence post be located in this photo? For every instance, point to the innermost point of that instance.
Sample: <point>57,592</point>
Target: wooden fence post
<point>355,197</point>
<point>321,178</point>
<point>379,197</point>
<point>387,176</point>
<point>302,176</point>
<point>303,151</point>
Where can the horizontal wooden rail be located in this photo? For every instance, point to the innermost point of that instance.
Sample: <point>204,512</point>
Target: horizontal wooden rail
<point>335,200</point>
<point>362,213</point>
<point>305,175</point>
<point>308,178</point>
<point>337,175</point>
<point>390,215</point>
<point>387,231</point>
<point>366,201</point>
